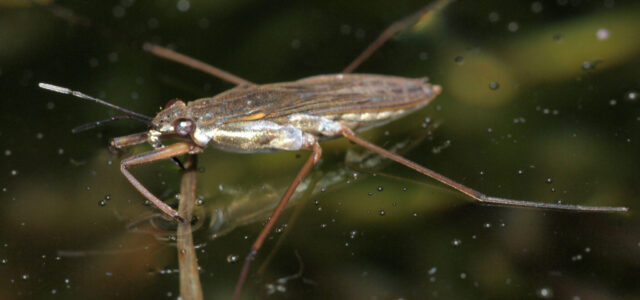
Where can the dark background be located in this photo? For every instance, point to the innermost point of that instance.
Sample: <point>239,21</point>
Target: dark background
<point>562,125</point>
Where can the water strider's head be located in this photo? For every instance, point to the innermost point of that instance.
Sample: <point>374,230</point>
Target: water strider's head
<point>174,121</point>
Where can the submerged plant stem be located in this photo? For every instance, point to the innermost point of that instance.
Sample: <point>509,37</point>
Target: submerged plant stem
<point>190,288</point>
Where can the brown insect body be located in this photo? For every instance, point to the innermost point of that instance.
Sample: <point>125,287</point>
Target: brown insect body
<point>294,115</point>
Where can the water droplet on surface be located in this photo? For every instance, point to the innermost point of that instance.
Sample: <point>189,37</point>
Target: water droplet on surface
<point>295,44</point>
<point>536,7</point>
<point>494,85</point>
<point>603,34</point>
<point>118,11</point>
<point>545,292</point>
<point>589,65</point>
<point>494,17</point>
<point>577,257</point>
<point>631,96</point>
<point>233,258</point>
<point>183,5</point>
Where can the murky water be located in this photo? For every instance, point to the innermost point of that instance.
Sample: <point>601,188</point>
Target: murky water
<point>540,103</point>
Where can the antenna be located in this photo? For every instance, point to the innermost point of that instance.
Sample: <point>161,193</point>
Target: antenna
<point>63,90</point>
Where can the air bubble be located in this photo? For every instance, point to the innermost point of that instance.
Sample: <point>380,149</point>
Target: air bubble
<point>382,213</point>
<point>548,180</point>
<point>631,96</point>
<point>456,242</point>
<point>494,85</point>
<point>380,188</point>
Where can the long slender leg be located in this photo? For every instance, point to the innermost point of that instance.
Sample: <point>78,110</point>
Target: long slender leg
<point>312,160</point>
<point>194,63</point>
<point>480,197</point>
<point>392,30</point>
<point>151,156</point>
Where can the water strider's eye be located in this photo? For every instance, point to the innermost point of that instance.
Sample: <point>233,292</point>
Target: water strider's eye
<point>170,103</point>
<point>184,126</point>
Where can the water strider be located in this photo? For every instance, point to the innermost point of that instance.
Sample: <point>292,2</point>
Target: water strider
<point>289,116</point>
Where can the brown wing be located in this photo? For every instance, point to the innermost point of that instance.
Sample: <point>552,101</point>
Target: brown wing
<point>318,95</point>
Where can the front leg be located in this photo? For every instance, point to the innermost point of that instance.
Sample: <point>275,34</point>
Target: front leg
<point>151,156</point>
